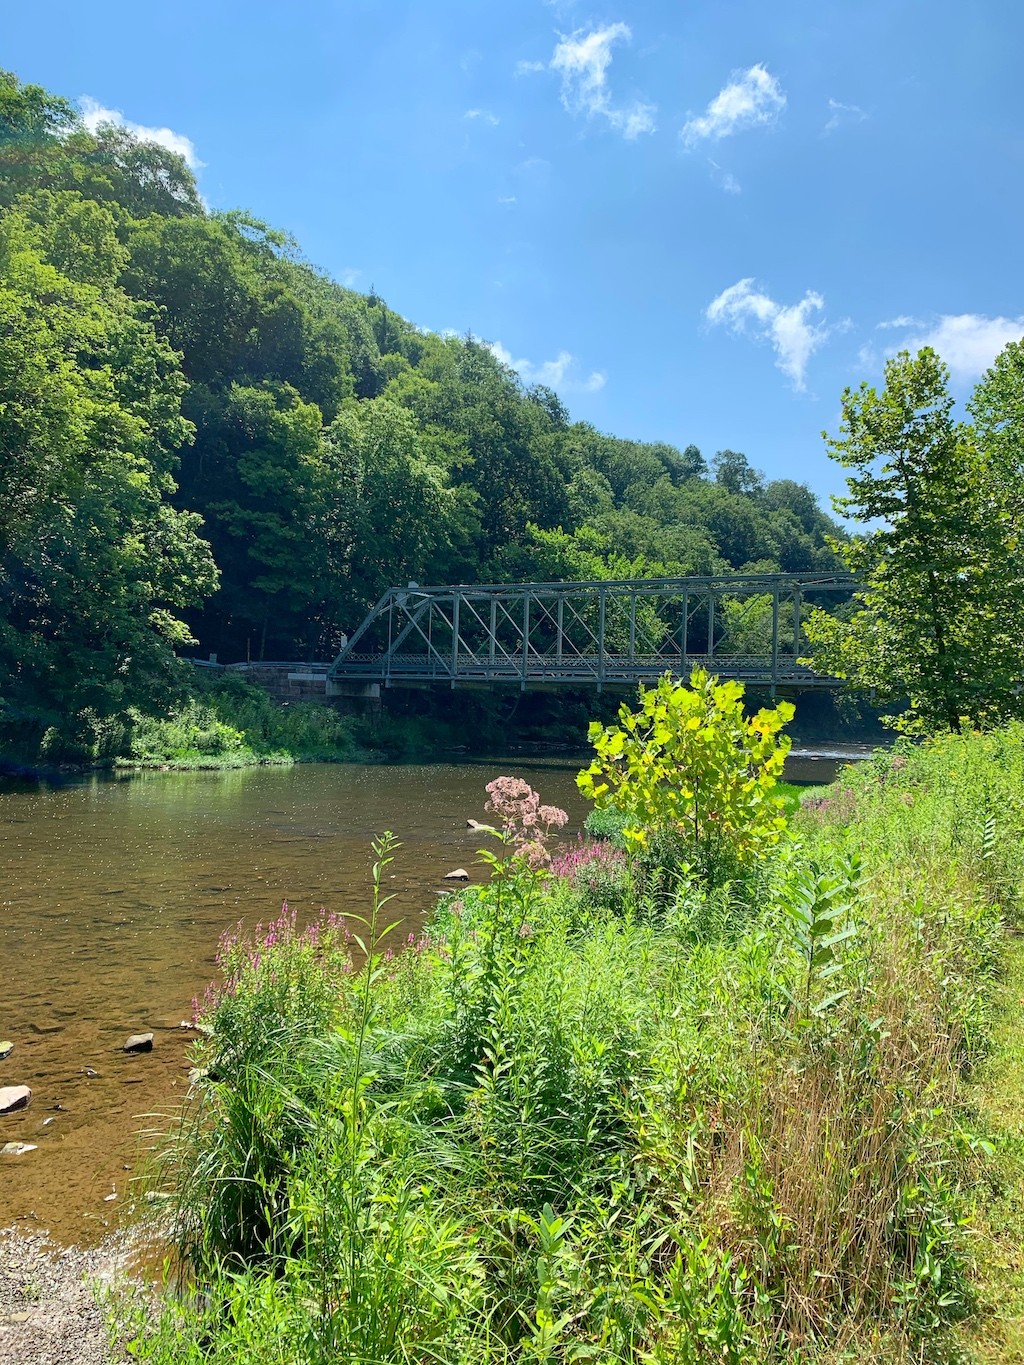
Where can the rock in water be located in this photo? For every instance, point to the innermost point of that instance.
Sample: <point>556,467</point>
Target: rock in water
<point>5,1050</point>
<point>14,1097</point>
<point>17,1148</point>
<point>459,875</point>
<point>139,1042</point>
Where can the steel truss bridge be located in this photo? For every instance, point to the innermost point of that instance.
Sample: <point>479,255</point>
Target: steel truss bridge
<point>602,633</point>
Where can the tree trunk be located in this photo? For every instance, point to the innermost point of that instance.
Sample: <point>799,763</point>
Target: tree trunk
<point>942,656</point>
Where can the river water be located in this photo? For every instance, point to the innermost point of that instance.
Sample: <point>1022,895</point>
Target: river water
<point>113,898</point>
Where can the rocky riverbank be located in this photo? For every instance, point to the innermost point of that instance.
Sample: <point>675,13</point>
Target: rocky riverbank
<point>50,1299</point>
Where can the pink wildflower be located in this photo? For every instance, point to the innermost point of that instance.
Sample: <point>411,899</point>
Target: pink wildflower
<point>553,817</point>
<point>522,815</point>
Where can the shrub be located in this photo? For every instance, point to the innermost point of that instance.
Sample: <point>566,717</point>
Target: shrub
<point>606,822</point>
<point>688,768</point>
<point>228,722</point>
<point>228,1163</point>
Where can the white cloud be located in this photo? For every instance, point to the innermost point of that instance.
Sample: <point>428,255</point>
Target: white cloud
<point>843,113</point>
<point>968,342</point>
<point>484,115</point>
<point>350,277</point>
<point>530,68</point>
<point>94,114</point>
<point>582,60</point>
<point>788,327</point>
<point>867,357</point>
<point>555,374</point>
<point>507,199</point>
<point>903,321</point>
<point>724,179</point>
<point>753,99</point>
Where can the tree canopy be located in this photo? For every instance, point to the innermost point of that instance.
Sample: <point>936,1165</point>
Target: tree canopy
<point>940,617</point>
<point>202,437</point>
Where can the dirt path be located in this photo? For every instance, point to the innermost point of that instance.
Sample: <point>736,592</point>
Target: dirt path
<point>48,1309</point>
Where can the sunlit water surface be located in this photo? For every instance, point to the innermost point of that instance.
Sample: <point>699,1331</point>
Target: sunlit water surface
<point>115,894</point>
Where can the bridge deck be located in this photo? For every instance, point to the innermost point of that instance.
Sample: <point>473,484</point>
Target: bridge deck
<point>601,633</point>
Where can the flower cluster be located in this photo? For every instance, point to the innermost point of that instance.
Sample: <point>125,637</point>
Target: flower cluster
<point>596,870</point>
<point>586,860</point>
<point>269,954</point>
<point>525,824</point>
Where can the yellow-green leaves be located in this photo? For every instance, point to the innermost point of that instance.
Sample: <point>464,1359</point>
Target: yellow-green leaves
<point>688,765</point>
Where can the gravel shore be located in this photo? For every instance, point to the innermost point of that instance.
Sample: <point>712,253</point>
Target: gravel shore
<point>48,1308</point>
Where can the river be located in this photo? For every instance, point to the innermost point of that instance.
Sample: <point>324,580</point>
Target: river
<point>115,893</point>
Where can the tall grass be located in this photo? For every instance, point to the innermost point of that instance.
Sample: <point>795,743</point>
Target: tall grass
<point>567,1124</point>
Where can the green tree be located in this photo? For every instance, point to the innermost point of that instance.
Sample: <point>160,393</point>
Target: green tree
<point>95,564</point>
<point>734,472</point>
<point>692,463</point>
<point>271,494</point>
<point>43,145</point>
<point>746,625</point>
<point>402,508</point>
<point>997,407</point>
<point>33,128</point>
<point>932,622</point>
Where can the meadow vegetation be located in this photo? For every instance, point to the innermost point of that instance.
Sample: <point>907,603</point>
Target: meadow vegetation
<point>625,1103</point>
<point>227,722</point>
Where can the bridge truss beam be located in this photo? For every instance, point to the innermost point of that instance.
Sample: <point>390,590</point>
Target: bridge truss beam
<point>601,633</point>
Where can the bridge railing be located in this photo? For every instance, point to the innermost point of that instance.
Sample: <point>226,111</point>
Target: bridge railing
<point>746,626</point>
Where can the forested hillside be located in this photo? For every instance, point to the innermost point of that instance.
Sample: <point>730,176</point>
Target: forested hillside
<point>206,442</point>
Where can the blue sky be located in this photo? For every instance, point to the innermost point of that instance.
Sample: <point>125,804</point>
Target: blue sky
<point>698,221</point>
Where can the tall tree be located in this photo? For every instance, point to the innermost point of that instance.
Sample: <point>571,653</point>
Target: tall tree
<point>734,471</point>
<point>95,564</point>
<point>929,622</point>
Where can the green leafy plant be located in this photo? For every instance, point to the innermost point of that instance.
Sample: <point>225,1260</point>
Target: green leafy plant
<point>818,906</point>
<point>555,1129</point>
<point>688,766</point>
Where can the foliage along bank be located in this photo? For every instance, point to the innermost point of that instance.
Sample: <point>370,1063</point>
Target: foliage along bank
<point>203,438</point>
<point>937,626</point>
<point>637,1106</point>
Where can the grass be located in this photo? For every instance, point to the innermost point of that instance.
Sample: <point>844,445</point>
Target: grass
<point>601,1116</point>
<point>996,1333</point>
<point>226,722</point>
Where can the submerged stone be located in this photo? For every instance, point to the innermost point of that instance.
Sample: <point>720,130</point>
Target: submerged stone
<point>139,1042</point>
<point>14,1097</point>
<point>17,1148</point>
<point>6,1049</point>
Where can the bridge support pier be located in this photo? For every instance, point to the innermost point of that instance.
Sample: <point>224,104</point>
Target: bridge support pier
<point>353,691</point>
